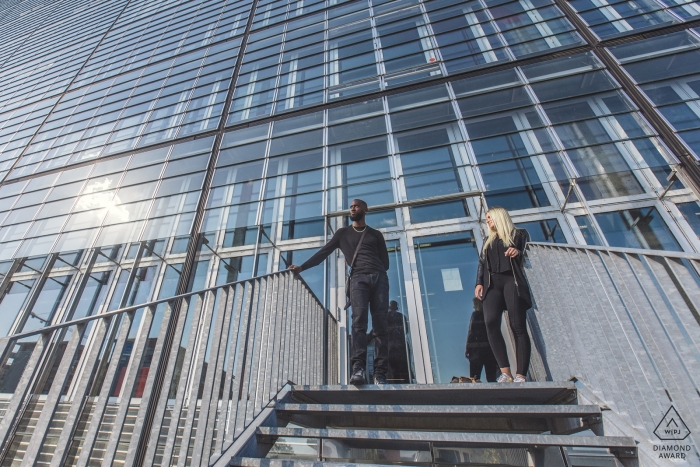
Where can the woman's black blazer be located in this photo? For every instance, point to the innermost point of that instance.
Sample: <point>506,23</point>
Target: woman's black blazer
<point>483,274</point>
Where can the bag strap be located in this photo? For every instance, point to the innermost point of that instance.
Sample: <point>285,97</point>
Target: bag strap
<point>354,257</point>
<point>359,244</point>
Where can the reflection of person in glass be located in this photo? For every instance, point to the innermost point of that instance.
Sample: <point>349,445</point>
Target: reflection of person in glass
<point>479,351</point>
<point>398,357</point>
<point>501,284</point>
<point>396,339</point>
<point>369,289</point>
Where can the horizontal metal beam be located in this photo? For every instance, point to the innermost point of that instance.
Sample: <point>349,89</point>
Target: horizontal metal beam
<point>633,251</point>
<point>535,410</point>
<point>152,303</point>
<point>502,440</point>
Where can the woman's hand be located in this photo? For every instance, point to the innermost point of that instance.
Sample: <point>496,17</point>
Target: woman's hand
<point>512,252</point>
<point>479,292</point>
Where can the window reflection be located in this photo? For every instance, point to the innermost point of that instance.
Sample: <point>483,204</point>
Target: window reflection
<point>438,211</point>
<point>637,228</point>
<point>544,231</point>
<point>589,232</point>
<point>12,303</point>
<point>691,213</point>
<point>313,276</point>
<point>513,185</point>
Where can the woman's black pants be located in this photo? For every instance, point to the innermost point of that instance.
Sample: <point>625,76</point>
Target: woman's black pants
<point>503,295</point>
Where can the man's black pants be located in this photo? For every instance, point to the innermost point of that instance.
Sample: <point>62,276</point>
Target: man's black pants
<point>370,292</point>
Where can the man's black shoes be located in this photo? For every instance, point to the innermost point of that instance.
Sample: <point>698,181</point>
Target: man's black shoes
<point>379,379</point>
<point>358,377</point>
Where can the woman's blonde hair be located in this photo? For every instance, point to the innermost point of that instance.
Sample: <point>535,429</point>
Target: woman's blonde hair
<point>504,227</point>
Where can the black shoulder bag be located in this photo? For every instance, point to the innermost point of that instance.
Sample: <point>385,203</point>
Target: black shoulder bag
<point>352,264</point>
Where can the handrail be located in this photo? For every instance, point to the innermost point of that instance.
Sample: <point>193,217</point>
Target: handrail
<point>636,251</point>
<point>127,309</point>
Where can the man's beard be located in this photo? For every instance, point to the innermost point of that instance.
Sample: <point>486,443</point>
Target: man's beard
<point>357,217</point>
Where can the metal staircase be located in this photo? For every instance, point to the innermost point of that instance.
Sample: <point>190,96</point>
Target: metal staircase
<point>525,424</point>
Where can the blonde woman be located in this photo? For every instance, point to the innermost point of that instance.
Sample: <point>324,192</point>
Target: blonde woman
<point>501,284</point>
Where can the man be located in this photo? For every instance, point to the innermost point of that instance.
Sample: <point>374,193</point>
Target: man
<point>369,288</point>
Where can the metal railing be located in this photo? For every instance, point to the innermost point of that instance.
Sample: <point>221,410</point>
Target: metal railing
<point>169,382</point>
<point>626,323</point>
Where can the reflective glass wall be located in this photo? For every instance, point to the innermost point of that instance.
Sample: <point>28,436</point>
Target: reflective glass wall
<point>173,146</point>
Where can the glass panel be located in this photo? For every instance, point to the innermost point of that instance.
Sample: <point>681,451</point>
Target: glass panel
<point>637,228</point>
<point>294,448</point>
<point>588,230</point>
<point>313,276</point>
<point>12,303</point>
<point>502,457</point>
<point>691,213</point>
<point>340,450</point>
<point>513,185</point>
<point>437,211</point>
<point>446,274</point>
<point>399,335</point>
<point>543,231</point>
<point>46,304</point>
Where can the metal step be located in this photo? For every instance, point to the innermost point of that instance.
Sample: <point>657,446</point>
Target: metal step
<point>558,419</point>
<point>440,394</point>
<point>621,446</point>
<point>442,411</point>
<point>256,462</point>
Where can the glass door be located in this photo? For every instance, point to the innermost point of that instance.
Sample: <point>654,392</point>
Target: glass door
<point>445,274</point>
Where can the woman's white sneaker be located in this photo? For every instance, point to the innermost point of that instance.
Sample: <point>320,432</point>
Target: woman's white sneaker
<point>504,378</point>
<point>519,379</point>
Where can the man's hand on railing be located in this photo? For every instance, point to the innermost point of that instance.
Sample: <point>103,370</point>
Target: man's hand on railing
<point>296,269</point>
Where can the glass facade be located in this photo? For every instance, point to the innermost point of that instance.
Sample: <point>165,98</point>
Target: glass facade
<point>173,146</point>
